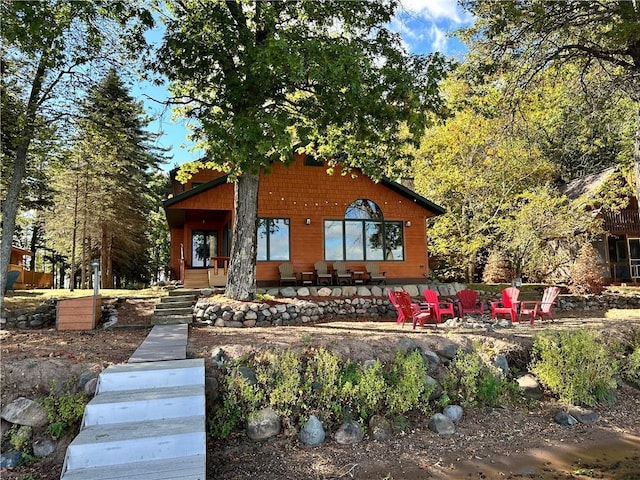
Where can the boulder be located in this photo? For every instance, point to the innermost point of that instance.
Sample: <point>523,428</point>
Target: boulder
<point>380,428</point>
<point>584,415</point>
<point>23,411</point>
<point>10,460</point>
<point>564,419</point>
<point>43,446</point>
<point>349,433</point>
<point>264,424</point>
<point>453,412</point>
<point>312,433</point>
<point>441,424</point>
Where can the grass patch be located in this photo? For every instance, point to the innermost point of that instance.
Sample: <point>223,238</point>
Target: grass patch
<point>30,299</point>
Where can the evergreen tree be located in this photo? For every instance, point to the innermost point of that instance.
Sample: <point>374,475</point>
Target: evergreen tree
<point>108,187</point>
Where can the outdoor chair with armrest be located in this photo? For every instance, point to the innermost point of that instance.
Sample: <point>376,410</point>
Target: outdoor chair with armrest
<point>323,275</point>
<point>437,307</point>
<point>342,275</point>
<point>468,302</point>
<point>411,310</point>
<point>508,305</point>
<point>375,276</point>
<point>541,308</point>
<point>287,275</point>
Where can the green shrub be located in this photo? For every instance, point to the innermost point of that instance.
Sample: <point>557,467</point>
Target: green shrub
<point>407,388</point>
<point>241,399</point>
<point>631,368</point>
<point>64,410</point>
<point>371,390</point>
<point>471,382</point>
<point>321,385</point>
<point>281,380</point>
<point>575,366</point>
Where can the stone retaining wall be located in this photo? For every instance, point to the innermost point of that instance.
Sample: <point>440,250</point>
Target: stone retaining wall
<point>301,305</point>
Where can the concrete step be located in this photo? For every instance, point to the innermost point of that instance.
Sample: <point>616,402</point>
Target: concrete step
<point>172,319</point>
<point>145,375</point>
<point>121,443</point>
<point>144,405</point>
<point>185,468</point>
<point>175,302</point>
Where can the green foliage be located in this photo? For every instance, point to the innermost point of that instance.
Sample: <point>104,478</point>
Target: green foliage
<point>575,366</point>
<point>19,437</point>
<point>241,400</point>
<point>407,387</point>
<point>542,234</point>
<point>319,382</point>
<point>64,410</point>
<point>630,367</point>
<point>471,382</point>
<point>281,377</point>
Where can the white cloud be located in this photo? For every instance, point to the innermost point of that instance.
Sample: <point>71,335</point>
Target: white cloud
<point>436,10</point>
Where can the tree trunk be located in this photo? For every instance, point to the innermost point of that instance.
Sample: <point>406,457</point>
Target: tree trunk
<point>636,154</point>
<point>33,246</point>
<point>241,279</point>
<point>103,259</point>
<point>10,208</point>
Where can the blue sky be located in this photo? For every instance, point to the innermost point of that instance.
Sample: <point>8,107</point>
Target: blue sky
<point>425,26</point>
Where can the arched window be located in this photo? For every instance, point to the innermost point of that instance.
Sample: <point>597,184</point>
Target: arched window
<point>363,209</point>
<point>363,234</point>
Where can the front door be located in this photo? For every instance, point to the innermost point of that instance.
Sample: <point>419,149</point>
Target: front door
<point>204,245</point>
<point>634,258</point>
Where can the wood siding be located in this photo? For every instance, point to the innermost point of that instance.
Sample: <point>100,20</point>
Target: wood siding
<point>298,192</point>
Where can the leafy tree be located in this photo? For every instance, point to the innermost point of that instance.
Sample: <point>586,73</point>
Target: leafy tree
<point>52,54</point>
<point>530,36</point>
<point>475,165</point>
<point>261,77</point>
<point>543,234</point>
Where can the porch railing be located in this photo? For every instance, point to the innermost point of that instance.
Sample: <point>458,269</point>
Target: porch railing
<point>32,279</point>
<point>623,221</point>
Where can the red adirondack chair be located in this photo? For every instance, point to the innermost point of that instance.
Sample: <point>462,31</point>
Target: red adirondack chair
<point>468,302</point>
<point>411,310</point>
<point>508,305</point>
<point>543,308</point>
<point>392,298</point>
<point>437,307</point>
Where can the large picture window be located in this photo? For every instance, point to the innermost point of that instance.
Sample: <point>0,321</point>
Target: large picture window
<point>273,239</point>
<point>363,235</point>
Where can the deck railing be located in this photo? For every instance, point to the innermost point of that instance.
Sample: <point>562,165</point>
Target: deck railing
<point>623,221</point>
<point>31,279</point>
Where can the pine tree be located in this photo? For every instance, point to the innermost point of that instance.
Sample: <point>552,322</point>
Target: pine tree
<point>108,189</point>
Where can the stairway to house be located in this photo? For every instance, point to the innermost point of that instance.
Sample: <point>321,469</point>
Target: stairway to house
<point>196,278</point>
<point>175,308</point>
<point>147,419</point>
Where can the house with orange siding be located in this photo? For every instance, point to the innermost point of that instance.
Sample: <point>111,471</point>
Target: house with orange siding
<point>305,215</point>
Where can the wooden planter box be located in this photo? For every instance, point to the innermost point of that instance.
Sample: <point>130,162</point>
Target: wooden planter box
<point>78,313</point>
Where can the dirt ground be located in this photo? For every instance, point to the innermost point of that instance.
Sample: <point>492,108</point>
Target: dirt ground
<point>495,443</point>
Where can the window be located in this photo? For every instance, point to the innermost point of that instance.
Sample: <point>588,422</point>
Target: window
<point>363,235</point>
<point>273,239</point>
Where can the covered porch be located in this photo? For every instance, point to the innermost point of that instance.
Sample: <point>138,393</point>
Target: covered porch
<point>622,245</point>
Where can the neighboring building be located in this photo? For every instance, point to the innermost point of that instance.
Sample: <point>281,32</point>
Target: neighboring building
<point>305,215</point>
<point>27,278</point>
<point>620,245</point>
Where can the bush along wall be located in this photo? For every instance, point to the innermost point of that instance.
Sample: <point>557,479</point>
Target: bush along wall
<point>315,393</point>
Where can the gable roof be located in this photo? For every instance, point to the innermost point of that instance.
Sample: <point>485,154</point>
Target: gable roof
<point>587,184</point>
<point>390,184</point>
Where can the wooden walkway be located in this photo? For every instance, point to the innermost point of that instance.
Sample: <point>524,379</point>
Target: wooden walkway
<point>147,419</point>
